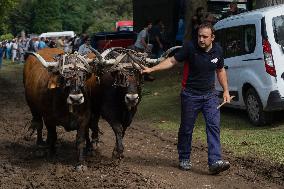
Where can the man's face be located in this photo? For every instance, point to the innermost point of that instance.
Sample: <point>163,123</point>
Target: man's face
<point>205,38</point>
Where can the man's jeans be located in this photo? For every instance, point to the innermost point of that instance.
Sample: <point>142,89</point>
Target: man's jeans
<point>192,102</point>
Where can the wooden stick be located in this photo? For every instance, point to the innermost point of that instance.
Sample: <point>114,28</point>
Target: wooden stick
<point>225,102</point>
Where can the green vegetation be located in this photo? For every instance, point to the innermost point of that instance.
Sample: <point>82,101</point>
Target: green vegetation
<point>38,16</point>
<point>160,107</point>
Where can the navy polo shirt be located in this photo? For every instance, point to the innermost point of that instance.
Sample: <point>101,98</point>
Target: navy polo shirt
<point>200,66</point>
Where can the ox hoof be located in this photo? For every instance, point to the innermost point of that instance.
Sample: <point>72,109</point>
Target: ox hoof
<point>116,155</point>
<point>40,153</point>
<point>81,168</point>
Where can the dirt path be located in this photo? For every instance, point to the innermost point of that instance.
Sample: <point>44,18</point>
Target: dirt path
<point>150,156</point>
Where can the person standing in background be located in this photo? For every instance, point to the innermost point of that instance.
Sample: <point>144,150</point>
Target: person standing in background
<point>156,36</point>
<point>1,54</point>
<point>14,47</point>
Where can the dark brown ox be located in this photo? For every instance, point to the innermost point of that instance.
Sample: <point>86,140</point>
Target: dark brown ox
<point>119,93</point>
<point>56,94</point>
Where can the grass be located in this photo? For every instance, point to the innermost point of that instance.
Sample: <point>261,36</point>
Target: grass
<point>161,106</point>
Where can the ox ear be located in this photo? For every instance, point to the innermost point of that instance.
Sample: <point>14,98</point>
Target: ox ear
<point>53,82</point>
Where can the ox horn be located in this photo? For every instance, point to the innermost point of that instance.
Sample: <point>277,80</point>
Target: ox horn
<point>163,56</point>
<point>44,63</point>
<point>98,55</point>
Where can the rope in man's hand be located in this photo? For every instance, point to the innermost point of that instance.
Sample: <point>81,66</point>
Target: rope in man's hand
<point>224,102</point>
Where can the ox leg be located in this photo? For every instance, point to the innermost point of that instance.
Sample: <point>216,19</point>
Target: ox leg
<point>95,132</point>
<point>51,138</point>
<point>39,140</point>
<point>80,143</point>
<point>119,148</point>
<point>89,149</point>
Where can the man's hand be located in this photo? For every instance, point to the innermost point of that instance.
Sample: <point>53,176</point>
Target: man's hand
<point>226,97</point>
<point>146,70</point>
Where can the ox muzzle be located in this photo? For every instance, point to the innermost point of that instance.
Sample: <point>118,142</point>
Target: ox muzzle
<point>131,100</point>
<point>75,99</point>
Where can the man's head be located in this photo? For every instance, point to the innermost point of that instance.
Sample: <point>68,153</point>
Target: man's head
<point>148,25</point>
<point>87,40</point>
<point>233,7</point>
<point>206,36</point>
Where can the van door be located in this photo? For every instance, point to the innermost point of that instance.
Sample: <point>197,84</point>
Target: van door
<point>275,28</point>
<point>239,45</point>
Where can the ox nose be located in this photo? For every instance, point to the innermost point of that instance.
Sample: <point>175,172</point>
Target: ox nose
<point>131,99</point>
<point>75,98</point>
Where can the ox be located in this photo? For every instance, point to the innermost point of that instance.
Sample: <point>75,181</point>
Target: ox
<point>56,93</point>
<point>119,93</point>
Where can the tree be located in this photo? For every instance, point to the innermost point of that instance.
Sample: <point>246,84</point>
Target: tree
<point>21,17</point>
<point>47,16</point>
<point>266,3</point>
<point>106,13</point>
<point>5,7</point>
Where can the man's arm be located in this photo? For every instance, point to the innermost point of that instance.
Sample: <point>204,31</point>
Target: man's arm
<point>166,64</point>
<point>222,78</point>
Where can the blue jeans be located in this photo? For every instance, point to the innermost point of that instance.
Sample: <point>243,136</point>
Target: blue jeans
<point>192,102</point>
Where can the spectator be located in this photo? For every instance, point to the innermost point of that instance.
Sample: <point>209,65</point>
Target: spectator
<point>156,38</point>
<point>14,47</point>
<point>68,45</point>
<point>21,49</point>
<point>1,54</point>
<point>210,18</point>
<point>233,10</point>
<point>36,42</point>
<point>52,43</point>
<point>84,48</point>
<point>8,49</point>
<point>60,43</point>
<point>41,44</point>
<point>142,41</point>
<point>30,45</point>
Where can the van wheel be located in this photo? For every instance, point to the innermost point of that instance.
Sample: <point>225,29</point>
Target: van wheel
<point>255,111</point>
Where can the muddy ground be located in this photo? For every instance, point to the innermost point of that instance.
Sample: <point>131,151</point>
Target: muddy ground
<point>150,156</point>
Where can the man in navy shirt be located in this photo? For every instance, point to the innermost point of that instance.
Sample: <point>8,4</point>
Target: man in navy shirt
<point>201,62</point>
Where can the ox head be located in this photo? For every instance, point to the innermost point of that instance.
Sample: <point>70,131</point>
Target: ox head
<point>127,79</point>
<point>69,75</point>
<point>74,70</point>
<point>126,70</point>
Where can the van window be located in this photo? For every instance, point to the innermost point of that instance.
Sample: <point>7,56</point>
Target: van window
<point>278,27</point>
<point>237,41</point>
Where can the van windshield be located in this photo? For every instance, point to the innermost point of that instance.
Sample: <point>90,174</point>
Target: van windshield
<point>278,27</point>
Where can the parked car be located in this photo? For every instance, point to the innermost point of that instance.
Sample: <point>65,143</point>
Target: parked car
<point>253,44</point>
<point>105,40</point>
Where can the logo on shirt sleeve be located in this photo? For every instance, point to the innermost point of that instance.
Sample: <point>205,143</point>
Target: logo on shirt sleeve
<point>215,60</point>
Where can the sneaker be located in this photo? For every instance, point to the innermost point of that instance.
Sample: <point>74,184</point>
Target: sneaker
<point>185,165</point>
<point>218,167</point>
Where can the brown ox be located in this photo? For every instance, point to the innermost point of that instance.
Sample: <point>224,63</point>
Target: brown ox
<point>57,94</point>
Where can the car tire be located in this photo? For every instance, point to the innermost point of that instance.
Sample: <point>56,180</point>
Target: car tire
<point>256,114</point>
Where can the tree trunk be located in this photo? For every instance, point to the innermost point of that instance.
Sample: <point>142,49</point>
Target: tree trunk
<point>191,6</point>
<point>267,3</point>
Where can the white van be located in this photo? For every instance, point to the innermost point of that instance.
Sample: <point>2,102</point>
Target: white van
<point>253,44</point>
<point>58,34</point>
